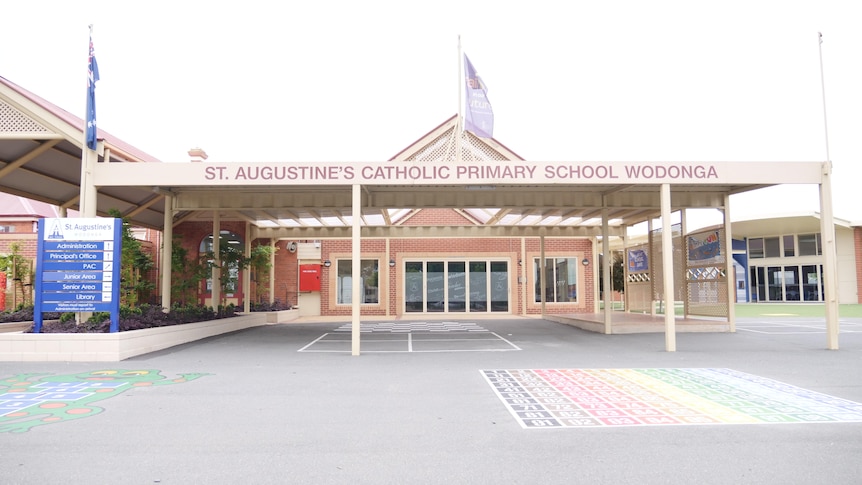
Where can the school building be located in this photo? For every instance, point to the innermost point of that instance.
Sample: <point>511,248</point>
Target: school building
<point>453,224</point>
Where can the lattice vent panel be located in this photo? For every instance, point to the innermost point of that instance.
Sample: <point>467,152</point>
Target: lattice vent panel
<point>638,281</point>
<point>474,149</point>
<point>639,278</point>
<point>441,149</point>
<point>706,274</point>
<point>678,263</point>
<point>14,121</point>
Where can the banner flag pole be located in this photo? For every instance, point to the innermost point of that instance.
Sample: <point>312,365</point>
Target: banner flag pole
<point>89,157</point>
<point>459,125</point>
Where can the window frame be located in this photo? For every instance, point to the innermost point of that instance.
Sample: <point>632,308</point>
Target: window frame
<point>573,264</point>
<point>339,294</point>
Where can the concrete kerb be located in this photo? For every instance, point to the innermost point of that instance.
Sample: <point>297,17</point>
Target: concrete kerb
<point>115,347</point>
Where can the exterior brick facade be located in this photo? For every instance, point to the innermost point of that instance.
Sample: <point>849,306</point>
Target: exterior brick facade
<point>857,246</point>
<point>520,263</point>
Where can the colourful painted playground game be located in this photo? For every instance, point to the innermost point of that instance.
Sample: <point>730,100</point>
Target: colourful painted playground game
<point>575,398</point>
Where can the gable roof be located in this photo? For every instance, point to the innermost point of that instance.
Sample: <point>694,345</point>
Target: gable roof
<point>40,158</point>
<point>13,206</point>
<point>440,145</point>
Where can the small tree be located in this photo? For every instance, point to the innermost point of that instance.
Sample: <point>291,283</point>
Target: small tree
<point>617,273</point>
<point>259,262</point>
<point>618,276</point>
<point>134,265</point>
<point>232,261</point>
<point>186,274</point>
<point>20,269</point>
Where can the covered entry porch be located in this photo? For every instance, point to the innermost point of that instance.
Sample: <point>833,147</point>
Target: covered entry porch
<point>353,192</point>
<point>626,323</point>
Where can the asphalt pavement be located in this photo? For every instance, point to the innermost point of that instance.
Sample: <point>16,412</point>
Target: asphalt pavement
<point>454,404</point>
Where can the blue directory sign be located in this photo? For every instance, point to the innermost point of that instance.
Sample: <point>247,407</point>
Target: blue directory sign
<point>78,267</point>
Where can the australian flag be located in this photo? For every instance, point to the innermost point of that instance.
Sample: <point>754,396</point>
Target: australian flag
<point>479,118</point>
<point>92,77</point>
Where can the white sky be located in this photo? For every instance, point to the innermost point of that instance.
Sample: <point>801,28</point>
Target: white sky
<point>568,80</point>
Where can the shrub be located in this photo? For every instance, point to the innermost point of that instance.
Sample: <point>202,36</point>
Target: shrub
<point>266,306</point>
<point>141,317</point>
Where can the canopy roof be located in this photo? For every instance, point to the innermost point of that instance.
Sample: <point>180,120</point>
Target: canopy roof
<point>40,158</point>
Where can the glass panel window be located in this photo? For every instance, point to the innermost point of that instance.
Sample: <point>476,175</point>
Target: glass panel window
<point>561,280</point>
<point>499,286</point>
<point>791,283</point>
<point>457,286</point>
<point>809,244</point>
<point>435,290</point>
<point>414,287</point>
<point>369,275</point>
<point>772,247</point>
<point>758,279</point>
<point>809,283</point>
<point>773,279</point>
<point>789,248</point>
<point>755,248</point>
<point>478,286</point>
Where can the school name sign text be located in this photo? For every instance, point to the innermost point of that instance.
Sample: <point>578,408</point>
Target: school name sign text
<point>400,172</point>
<point>454,173</point>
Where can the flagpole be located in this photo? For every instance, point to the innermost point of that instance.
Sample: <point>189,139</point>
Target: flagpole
<point>827,229</point>
<point>87,196</point>
<point>823,95</point>
<point>460,122</point>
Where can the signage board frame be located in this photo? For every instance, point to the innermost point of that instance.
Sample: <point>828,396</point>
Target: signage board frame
<point>78,267</point>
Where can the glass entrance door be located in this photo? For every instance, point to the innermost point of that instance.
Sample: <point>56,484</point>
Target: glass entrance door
<point>456,286</point>
<point>787,283</point>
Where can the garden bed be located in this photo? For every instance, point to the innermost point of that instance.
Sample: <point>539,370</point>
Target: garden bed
<point>114,347</point>
<point>148,329</point>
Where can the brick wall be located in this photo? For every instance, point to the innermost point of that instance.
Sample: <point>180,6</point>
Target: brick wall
<point>857,246</point>
<point>522,280</point>
<point>27,245</point>
<point>20,227</point>
<point>342,249</point>
<point>286,272</point>
<point>521,276</point>
<point>438,217</point>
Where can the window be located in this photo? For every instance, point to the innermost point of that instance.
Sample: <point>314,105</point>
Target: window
<point>230,249</point>
<point>789,249</point>
<point>456,286</point>
<point>809,244</point>
<point>772,247</point>
<point>755,248</point>
<point>369,276</point>
<point>561,279</point>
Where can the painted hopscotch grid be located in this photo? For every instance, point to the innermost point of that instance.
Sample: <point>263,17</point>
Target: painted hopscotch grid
<point>443,336</point>
<point>53,394</point>
<point>576,398</point>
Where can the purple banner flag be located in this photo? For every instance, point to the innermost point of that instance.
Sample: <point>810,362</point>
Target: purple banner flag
<point>638,260</point>
<point>92,77</point>
<point>478,116</point>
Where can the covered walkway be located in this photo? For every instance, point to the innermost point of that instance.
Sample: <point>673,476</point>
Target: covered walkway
<point>41,154</point>
<point>623,322</point>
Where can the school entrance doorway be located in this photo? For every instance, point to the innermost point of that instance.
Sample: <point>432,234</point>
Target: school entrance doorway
<point>456,286</point>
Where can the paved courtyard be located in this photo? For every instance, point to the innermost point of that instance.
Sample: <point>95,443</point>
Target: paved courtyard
<point>456,401</point>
